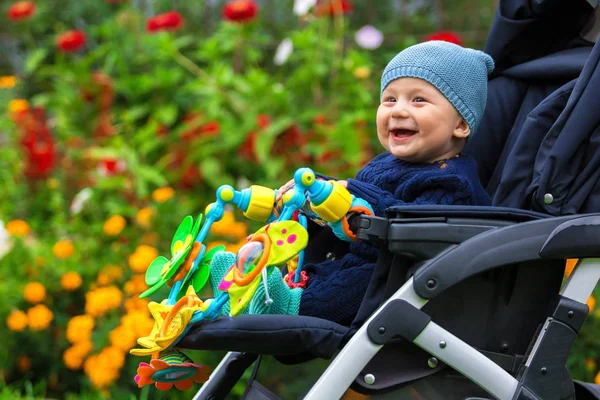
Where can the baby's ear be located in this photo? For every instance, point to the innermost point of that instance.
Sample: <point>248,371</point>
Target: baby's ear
<point>462,129</point>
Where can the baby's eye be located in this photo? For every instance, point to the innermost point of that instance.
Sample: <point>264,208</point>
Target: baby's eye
<point>419,99</point>
<point>389,99</point>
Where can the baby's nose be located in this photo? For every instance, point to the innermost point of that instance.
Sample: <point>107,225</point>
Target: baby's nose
<point>400,110</point>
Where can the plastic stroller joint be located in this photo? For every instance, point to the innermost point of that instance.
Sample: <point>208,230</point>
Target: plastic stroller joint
<point>398,319</point>
<point>568,311</point>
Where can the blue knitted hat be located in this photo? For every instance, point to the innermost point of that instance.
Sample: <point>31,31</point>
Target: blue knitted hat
<point>459,73</point>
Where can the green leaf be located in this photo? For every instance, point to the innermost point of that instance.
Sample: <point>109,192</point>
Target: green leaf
<point>265,139</point>
<point>35,59</point>
<point>167,114</point>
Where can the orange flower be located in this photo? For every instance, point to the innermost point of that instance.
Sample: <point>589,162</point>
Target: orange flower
<point>570,265</point>
<point>39,317</point>
<point>142,257</point>
<point>591,303</point>
<point>73,356</point>
<point>23,363</point>
<point>597,379</point>
<point>70,281</point>
<point>17,321</point>
<point>63,249</point>
<point>101,300</point>
<point>18,227</point>
<point>136,285</point>
<point>123,338</point>
<point>150,238</point>
<point>590,364</point>
<point>79,328</point>
<point>144,216</point>
<point>7,81</point>
<point>18,105</point>
<point>34,292</point>
<point>114,225</point>
<point>163,194</point>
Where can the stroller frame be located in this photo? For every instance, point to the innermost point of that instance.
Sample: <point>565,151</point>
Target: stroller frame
<point>400,315</point>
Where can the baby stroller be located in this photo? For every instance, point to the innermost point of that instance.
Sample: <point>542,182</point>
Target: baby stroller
<point>463,291</point>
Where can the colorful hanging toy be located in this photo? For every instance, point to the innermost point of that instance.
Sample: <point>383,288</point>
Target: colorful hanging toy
<point>280,243</point>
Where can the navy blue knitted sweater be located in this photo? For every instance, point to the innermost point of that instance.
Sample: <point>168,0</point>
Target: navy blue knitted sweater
<point>336,288</point>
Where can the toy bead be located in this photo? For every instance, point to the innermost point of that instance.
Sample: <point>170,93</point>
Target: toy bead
<point>308,177</point>
<point>261,203</point>
<point>227,194</point>
<point>208,208</point>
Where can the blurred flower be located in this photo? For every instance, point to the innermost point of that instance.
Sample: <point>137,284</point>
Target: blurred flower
<point>98,368</point>
<point>34,292</point>
<point>7,81</point>
<point>142,257</point>
<point>369,37</point>
<point>18,227</point>
<point>102,300</point>
<point>23,363</point>
<point>17,321</point>
<point>333,7</point>
<point>114,225</point>
<point>169,21</point>
<point>63,249</point>
<point>18,105</point>
<point>21,10</point>
<point>446,36</point>
<point>115,355</point>
<point>197,129</point>
<point>590,364</point>
<point>71,41</point>
<point>70,281</point>
<point>135,304</point>
<point>283,51</point>
<point>79,328</point>
<point>39,317</point>
<point>301,7</point>
<point>144,216</point>
<point>242,11</point>
<point>597,379</point>
<point>150,238</point>
<point>229,228</point>
<point>362,73</point>
<point>109,274</point>
<point>570,265</point>
<point>111,167</point>
<point>123,338</point>
<point>5,242</point>
<point>74,355</point>
<point>135,285</point>
<point>591,303</point>
<point>163,194</point>
<point>79,200</point>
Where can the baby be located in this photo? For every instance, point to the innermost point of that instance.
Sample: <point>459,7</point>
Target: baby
<point>433,95</point>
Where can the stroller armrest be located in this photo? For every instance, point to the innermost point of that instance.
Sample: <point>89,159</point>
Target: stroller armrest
<point>561,237</point>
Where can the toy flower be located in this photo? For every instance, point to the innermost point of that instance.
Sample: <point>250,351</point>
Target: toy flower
<point>169,21</point>
<point>17,227</point>
<point>170,323</point>
<point>39,317</point>
<point>71,41</point>
<point>171,368</point>
<point>241,11</point>
<point>162,269</point>
<point>21,10</point>
<point>369,37</point>
<point>34,292</point>
<point>163,194</point>
<point>63,249</point>
<point>446,36</point>
<point>8,81</point>
<point>70,281</point>
<point>17,321</point>
<point>114,225</point>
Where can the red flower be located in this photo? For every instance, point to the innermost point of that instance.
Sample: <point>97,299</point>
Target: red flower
<point>333,7</point>
<point>169,21</point>
<point>71,41</point>
<point>38,143</point>
<point>21,10</point>
<point>111,167</point>
<point>446,36</point>
<point>247,148</point>
<point>199,129</point>
<point>240,11</point>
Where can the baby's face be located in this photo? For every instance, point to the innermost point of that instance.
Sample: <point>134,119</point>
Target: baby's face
<point>416,123</point>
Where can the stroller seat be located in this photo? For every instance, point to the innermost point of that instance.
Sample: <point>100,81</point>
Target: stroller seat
<point>469,290</point>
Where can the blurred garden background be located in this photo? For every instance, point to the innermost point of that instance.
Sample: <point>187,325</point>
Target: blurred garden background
<point>120,117</point>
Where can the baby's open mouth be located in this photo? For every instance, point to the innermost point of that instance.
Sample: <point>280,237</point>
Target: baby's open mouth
<point>402,133</point>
